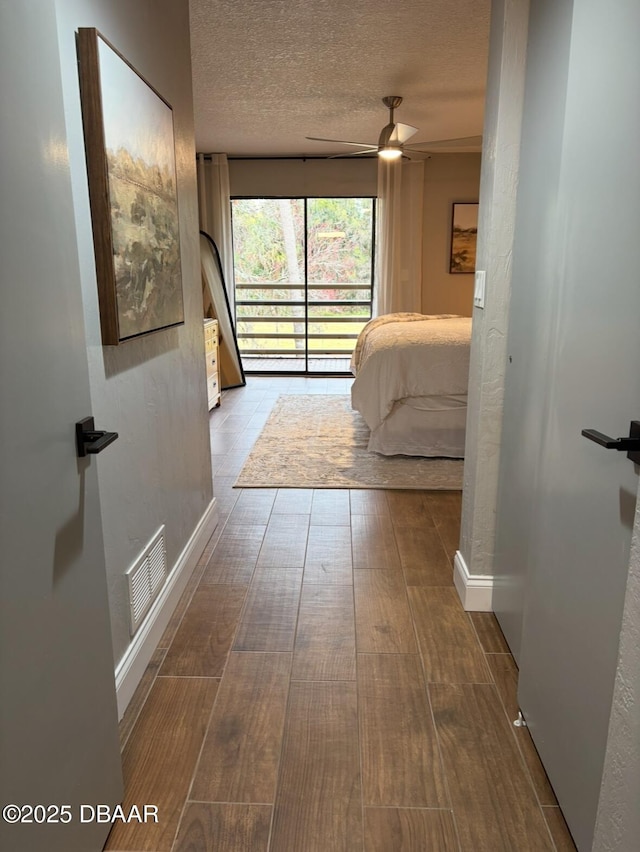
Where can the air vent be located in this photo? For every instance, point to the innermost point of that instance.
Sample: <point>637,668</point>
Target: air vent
<point>146,578</point>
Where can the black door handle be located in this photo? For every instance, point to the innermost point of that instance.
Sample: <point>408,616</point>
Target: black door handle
<point>90,440</point>
<point>631,444</point>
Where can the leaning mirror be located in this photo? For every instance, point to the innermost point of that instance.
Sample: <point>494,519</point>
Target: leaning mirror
<point>216,306</point>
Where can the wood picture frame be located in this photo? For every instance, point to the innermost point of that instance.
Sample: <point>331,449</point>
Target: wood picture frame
<point>464,235</point>
<point>131,166</point>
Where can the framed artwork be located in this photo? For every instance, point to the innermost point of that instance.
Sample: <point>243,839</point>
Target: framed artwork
<point>130,149</point>
<point>464,234</point>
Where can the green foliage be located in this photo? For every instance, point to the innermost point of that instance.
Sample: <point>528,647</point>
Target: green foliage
<point>258,245</point>
<point>339,239</point>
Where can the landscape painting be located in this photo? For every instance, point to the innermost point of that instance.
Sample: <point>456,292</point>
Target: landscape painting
<point>464,234</point>
<point>129,141</point>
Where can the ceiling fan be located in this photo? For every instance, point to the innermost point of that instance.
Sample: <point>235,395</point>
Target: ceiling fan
<point>393,137</point>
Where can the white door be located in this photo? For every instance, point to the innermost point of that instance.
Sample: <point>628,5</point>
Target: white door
<point>576,367</point>
<point>58,725</point>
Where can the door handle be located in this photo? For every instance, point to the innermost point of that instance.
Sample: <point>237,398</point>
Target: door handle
<point>631,444</point>
<point>90,440</point>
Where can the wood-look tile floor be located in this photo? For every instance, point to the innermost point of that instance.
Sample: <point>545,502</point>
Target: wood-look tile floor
<point>320,688</point>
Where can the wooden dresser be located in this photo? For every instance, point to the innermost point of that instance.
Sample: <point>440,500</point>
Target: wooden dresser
<point>211,356</point>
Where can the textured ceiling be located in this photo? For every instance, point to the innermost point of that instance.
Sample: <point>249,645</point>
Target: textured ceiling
<point>267,73</point>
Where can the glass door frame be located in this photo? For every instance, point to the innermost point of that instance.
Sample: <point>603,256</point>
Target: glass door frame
<point>308,354</point>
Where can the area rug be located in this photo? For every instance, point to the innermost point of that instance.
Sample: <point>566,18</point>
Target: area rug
<point>318,441</point>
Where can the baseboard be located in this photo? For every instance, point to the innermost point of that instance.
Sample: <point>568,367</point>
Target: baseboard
<point>475,591</point>
<point>132,666</point>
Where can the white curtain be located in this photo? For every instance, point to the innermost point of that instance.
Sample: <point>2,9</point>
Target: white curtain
<point>398,285</point>
<point>214,205</point>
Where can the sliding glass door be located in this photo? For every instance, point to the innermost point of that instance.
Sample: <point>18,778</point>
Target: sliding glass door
<point>303,271</point>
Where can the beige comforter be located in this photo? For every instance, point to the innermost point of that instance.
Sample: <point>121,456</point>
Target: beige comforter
<point>410,356</point>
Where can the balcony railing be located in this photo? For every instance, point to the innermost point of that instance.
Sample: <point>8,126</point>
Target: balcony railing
<point>285,321</point>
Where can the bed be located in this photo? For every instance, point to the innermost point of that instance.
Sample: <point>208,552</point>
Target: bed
<point>411,375</point>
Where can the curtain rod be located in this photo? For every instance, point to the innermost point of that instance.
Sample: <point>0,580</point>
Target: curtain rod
<point>310,157</point>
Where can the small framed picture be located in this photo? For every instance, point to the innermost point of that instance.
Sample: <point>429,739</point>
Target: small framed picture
<point>464,234</point>
<point>131,164</point>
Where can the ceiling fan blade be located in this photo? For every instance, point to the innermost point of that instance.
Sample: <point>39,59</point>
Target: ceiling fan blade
<point>360,153</point>
<point>461,142</point>
<point>410,154</point>
<point>402,132</point>
<point>342,142</point>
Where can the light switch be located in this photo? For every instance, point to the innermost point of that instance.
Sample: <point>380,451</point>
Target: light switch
<point>478,290</point>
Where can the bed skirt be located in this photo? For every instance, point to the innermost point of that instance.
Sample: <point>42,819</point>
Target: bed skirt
<point>416,428</point>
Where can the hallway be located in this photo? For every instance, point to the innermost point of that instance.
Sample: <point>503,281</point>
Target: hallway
<point>320,688</point>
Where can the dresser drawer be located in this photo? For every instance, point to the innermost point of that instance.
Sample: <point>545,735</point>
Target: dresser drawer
<point>211,354</point>
<point>213,391</point>
<point>210,333</point>
<point>212,361</point>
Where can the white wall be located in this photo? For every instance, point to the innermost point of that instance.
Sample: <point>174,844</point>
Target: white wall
<point>448,178</point>
<point>618,821</point>
<point>150,390</point>
<point>498,192</point>
<point>288,178</point>
<point>533,309</point>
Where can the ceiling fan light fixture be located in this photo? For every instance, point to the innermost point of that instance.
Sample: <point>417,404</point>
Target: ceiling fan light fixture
<point>389,152</point>
<point>393,138</point>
